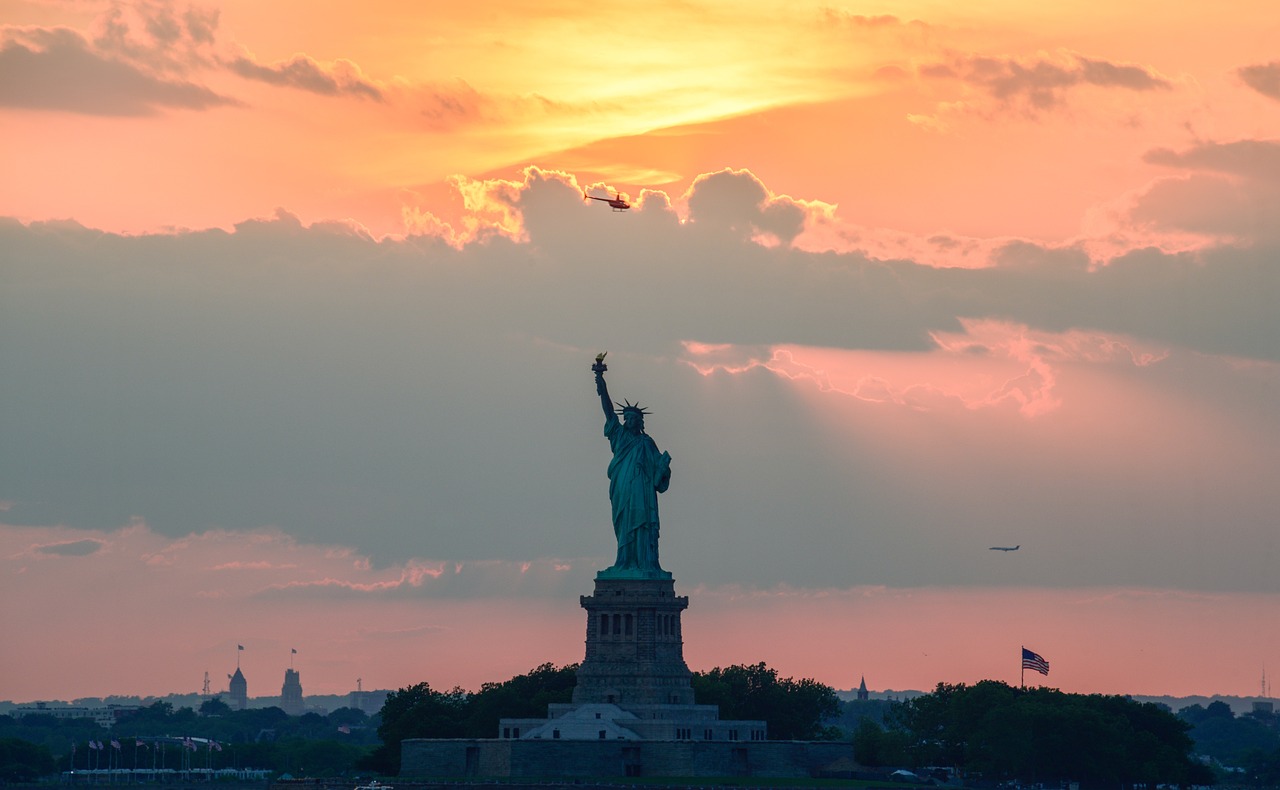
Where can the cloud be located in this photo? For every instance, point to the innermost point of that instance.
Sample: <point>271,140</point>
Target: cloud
<point>152,35</point>
<point>1039,84</point>
<point>74,548</point>
<point>1227,193</point>
<point>381,637</point>
<point>434,580</point>
<point>304,73</point>
<point>141,58</point>
<point>839,16</point>
<point>418,398</point>
<point>989,364</point>
<point>737,201</point>
<point>1263,78</point>
<point>1254,159</point>
<point>57,69</point>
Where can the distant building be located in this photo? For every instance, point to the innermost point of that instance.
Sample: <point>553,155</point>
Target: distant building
<point>291,694</point>
<point>368,702</point>
<point>862,689</point>
<point>104,716</point>
<point>239,691</point>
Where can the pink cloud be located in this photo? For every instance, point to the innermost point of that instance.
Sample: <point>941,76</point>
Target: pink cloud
<point>1223,194</point>
<point>61,71</point>
<point>990,364</point>
<point>341,77</point>
<point>1098,639</point>
<point>1263,78</point>
<point>1034,85</point>
<point>259,589</point>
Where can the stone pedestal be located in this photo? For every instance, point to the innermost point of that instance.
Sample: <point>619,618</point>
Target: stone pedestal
<point>635,651</point>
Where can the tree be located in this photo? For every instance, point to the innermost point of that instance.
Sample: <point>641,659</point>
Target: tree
<point>214,706</point>
<point>1228,738</point>
<point>1040,735</point>
<point>24,761</point>
<point>874,747</point>
<point>793,709</point>
<point>521,697</point>
<point>415,712</point>
<point>349,717</point>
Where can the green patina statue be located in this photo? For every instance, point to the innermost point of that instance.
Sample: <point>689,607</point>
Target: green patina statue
<point>637,474</point>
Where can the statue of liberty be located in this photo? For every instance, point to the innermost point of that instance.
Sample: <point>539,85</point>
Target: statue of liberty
<point>637,474</point>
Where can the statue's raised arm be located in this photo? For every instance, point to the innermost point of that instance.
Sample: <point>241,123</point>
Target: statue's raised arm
<point>602,389</point>
<point>637,474</point>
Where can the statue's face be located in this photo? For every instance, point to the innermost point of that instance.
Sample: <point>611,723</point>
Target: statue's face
<point>634,421</point>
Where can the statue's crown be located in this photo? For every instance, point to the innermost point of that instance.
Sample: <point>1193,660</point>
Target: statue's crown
<point>627,407</point>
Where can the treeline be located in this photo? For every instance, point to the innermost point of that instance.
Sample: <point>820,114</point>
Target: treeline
<point>1244,747</point>
<point>1000,733</point>
<point>420,711</point>
<point>266,738</point>
<point>346,741</point>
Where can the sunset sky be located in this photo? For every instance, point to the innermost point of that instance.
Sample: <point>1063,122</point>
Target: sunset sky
<point>298,303</point>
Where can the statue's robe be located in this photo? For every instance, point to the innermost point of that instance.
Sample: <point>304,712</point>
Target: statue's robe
<point>637,474</point>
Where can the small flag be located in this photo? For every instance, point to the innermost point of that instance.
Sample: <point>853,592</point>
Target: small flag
<point>140,743</point>
<point>293,650</point>
<point>100,746</point>
<point>239,647</point>
<point>216,745</point>
<point>115,744</point>
<point>92,745</point>
<point>345,730</point>
<point>1034,661</point>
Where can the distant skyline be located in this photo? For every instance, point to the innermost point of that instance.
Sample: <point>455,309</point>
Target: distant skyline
<point>298,303</point>
<point>1240,704</point>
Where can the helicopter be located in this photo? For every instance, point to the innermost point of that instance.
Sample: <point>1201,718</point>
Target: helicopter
<point>616,202</point>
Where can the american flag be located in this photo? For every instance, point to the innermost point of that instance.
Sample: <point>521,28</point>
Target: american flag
<point>1034,661</point>
<point>115,744</point>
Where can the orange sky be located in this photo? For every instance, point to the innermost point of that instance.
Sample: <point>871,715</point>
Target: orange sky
<point>981,120</point>
<point>905,279</point>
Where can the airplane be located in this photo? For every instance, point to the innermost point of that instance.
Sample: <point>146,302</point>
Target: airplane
<point>616,202</point>
<point>1006,548</point>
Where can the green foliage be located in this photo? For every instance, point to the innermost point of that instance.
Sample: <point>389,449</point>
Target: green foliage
<point>422,712</point>
<point>1228,738</point>
<point>853,711</point>
<point>264,738</point>
<point>1006,733</point>
<point>52,733</point>
<point>415,712</point>
<point>523,696</point>
<point>24,761</point>
<point>875,747</point>
<point>1261,767</point>
<point>214,706</point>
<point>795,710</point>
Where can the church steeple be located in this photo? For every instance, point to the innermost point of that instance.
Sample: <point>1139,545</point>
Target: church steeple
<point>862,688</point>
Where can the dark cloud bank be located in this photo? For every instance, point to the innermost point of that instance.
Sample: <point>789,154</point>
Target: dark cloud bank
<point>411,399</point>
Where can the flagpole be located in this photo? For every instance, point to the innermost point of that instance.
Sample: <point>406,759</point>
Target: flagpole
<point>1023,676</point>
